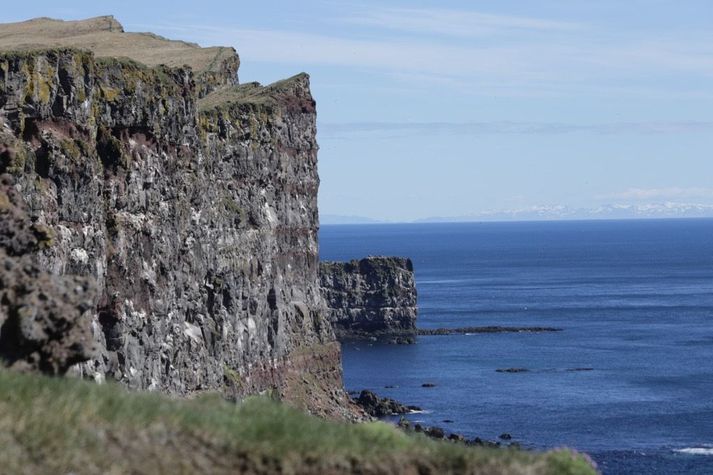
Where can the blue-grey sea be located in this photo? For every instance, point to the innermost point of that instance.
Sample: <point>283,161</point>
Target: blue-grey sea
<point>634,300</point>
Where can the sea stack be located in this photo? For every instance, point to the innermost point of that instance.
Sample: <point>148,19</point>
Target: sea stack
<point>371,297</point>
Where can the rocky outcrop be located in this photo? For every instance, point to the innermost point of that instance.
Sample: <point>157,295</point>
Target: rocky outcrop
<point>377,406</point>
<point>44,319</point>
<point>371,297</point>
<point>188,201</point>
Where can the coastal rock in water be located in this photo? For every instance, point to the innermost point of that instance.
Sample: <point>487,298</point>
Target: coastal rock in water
<point>381,407</point>
<point>189,201</point>
<point>371,297</point>
<point>483,443</point>
<point>489,329</point>
<point>433,432</point>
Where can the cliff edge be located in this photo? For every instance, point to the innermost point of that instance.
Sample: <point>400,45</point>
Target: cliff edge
<point>105,37</point>
<point>185,202</point>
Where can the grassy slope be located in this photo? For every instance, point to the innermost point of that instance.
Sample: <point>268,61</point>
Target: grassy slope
<point>62,426</point>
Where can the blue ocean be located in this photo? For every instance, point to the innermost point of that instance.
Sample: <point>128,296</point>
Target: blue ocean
<point>634,300</point>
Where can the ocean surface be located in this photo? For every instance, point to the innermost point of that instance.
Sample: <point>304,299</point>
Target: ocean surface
<point>634,300</point>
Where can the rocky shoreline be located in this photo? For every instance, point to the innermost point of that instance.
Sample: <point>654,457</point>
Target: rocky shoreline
<point>380,407</point>
<point>385,408</point>
<point>409,339</point>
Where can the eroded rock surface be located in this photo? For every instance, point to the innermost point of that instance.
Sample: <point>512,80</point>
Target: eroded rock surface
<point>44,319</point>
<point>371,297</point>
<point>189,200</point>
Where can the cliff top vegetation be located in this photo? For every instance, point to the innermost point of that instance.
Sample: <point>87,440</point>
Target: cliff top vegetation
<point>106,38</point>
<point>54,425</point>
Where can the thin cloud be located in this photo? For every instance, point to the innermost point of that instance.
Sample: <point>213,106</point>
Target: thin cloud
<point>341,130</point>
<point>450,22</point>
<point>294,47</point>
<point>519,61</point>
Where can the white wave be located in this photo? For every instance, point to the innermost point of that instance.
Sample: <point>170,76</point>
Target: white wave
<point>696,450</point>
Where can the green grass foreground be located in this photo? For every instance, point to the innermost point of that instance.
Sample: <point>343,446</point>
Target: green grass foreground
<point>53,425</point>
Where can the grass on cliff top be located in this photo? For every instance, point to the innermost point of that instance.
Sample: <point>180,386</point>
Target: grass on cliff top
<point>252,93</point>
<point>106,38</point>
<point>68,426</point>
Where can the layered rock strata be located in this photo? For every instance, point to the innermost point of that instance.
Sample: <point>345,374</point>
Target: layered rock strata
<point>189,203</point>
<point>371,297</point>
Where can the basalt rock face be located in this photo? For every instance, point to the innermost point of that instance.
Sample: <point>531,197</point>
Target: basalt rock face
<point>187,202</point>
<point>374,296</point>
<point>44,319</point>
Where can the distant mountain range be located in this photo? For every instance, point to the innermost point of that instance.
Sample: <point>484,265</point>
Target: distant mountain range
<point>544,213</point>
<point>340,219</point>
<point>610,211</point>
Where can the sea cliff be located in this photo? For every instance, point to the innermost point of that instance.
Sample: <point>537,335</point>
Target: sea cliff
<point>185,204</point>
<point>371,297</point>
<point>158,231</point>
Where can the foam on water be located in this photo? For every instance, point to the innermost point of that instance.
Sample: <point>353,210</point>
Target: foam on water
<point>696,451</point>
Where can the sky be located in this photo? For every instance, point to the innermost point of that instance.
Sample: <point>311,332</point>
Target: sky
<point>469,108</point>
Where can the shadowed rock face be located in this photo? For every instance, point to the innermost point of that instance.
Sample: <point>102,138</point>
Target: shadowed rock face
<point>375,296</point>
<point>191,206</point>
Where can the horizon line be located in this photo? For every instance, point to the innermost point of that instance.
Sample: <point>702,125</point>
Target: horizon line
<point>485,221</point>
